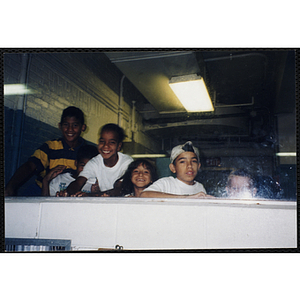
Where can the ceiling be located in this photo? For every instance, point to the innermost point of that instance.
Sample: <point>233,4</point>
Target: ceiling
<point>248,89</point>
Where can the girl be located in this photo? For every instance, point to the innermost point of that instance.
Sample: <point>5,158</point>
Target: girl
<point>107,166</point>
<point>139,175</point>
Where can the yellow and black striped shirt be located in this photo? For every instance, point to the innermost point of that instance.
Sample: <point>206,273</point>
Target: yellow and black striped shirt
<point>53,153</point>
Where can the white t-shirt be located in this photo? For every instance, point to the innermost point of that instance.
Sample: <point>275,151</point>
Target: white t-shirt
<point>175,186</point>
<point>106,176</point>
<point>61,182</point>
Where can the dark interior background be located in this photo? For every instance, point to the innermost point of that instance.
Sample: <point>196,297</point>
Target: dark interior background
<point>253,93</point>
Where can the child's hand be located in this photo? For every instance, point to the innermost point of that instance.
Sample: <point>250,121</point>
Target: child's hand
<point>200,195</point>
<point>95,188</point>
<point>54,172</point>
<point>80,194</point>
<point>104,195</point>
<point>62,194</point>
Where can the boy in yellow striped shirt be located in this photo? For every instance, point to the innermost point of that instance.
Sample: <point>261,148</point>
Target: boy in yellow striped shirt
<point>59,152</point>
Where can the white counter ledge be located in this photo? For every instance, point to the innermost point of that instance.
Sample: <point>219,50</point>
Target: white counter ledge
<point>154,223</point>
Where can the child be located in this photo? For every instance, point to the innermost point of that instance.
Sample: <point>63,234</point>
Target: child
<point>62,151</point>
<point>108,166</point>
<point>139,175</point>
<point>185,164</point>
<point>57,180</point>
<point>240,185</point>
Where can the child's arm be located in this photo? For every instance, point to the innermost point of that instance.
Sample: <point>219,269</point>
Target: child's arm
<point>153,194</point>
<point>95,187</point>
<point>73,187</point>
<point>116,191</point>
<point>200,195</point>
<point>23,174</point>
<point>46,180</point>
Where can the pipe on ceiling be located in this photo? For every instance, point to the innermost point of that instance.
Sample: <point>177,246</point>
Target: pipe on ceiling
<point>235,56</point>
<point>120,101</point>
<point>150,56</point>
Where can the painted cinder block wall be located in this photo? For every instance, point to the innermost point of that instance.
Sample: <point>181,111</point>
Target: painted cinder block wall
<point>56,81</point>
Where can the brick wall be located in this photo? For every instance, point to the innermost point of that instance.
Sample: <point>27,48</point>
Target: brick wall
<point>58,80</point>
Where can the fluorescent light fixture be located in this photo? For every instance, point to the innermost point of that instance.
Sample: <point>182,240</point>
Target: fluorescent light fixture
<point>286,154</point>
<point>148,155</point>
<point>16,89</point>
<point>192,93</point>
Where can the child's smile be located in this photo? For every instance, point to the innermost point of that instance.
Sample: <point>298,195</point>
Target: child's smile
<point>108,147</point>
<point>71,129</point>
<point>141,177</point>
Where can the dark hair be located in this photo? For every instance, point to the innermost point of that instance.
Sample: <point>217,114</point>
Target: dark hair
<point>115,128</point>
<point>242,173</point>
<point>87,151</point>
<point>72,111</point>
<point>127,185</point>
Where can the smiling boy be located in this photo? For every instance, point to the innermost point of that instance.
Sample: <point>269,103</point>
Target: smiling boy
<point>185,164</point>
<point>59,152</point>
<point>108,166</point>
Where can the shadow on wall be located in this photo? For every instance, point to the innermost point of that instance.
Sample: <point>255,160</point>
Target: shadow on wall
<point>34,135</point>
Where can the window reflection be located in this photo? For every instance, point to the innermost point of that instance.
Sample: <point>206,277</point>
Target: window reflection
<point>252,125</point>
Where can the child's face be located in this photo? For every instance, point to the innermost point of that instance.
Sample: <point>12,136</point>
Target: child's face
<point>71,129</point>
<point>240,187</point>
<point>186,167</point>
<point>108,145</point>
<point>141,176</point>
<point>80,165</point>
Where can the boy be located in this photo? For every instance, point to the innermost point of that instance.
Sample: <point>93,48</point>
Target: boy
<point>57,180</point>
<point>108,166</point>
<point>185,164</point>
<point>240,185</point>
<point>61,151</point>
